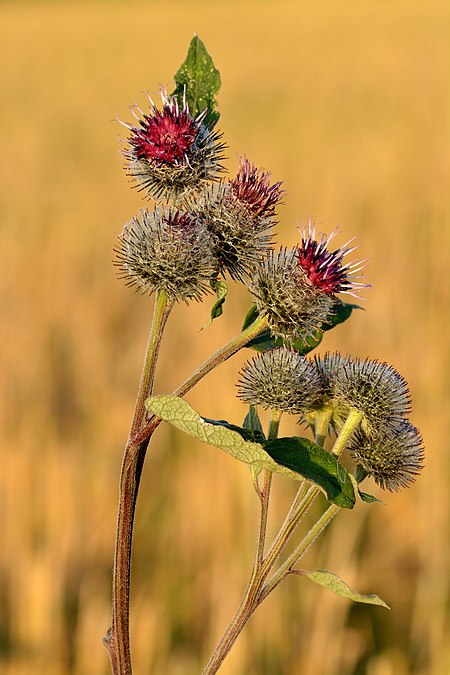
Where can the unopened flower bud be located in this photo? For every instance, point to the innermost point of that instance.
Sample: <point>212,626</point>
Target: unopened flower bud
<point>281,379</point>
<point>393,455</point>
<point>375,389</point>
<point>167,250</point>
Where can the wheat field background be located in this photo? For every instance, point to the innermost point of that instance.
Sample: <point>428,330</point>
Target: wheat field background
<point>347,103</point>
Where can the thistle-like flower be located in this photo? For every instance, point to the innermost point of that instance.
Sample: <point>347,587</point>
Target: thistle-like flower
<point>297,289</point>
<point>375,389</point>
<point>326,269</point>
<point>295,308</point>
<point>281,379</point>
<point>167,250</point>
<point>252,187</point>
<point>392,455</point>
<point>240,215</point>
<point>169,152</point>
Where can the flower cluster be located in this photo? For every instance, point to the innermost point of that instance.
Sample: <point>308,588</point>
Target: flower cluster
<point>385,444</point>
<point>219,226</point>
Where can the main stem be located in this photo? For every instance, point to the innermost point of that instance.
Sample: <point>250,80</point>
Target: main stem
<point>117,639</point>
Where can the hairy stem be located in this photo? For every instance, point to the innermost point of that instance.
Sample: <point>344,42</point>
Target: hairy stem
<point>220,356</point>
<point>351,423</point>
<point>265,492</point>
<point>257,589</point>
<point>117,640</point>
<point>301,549</point>
<point>250,600</point>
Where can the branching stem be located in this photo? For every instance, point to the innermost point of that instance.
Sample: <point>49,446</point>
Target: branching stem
<point>117,639</point>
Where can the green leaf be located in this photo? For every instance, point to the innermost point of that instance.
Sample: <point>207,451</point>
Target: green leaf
<point>221,289</point>
<point>250,317</point>
<point>249,446</point>
<point>179,413</point>
<point>252,421</point>
<point>336,585</point>
<point>200,79</point>
<point>369,499</point>
<point>342,312</point>
<point>315,464</point>
<point>361,473</point>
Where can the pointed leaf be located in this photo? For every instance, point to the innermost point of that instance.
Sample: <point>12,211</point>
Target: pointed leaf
<point>252,421</point>
<point>250,317</point>
<point>369,499</point>
<point>336,585</point>
<point>200,79</point>
<point>178,412</point>
<point>221,289</point>
<point>342,311</point>
<point>249,446</point>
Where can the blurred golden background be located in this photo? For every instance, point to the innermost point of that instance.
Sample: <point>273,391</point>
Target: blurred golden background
<point>347,103</point>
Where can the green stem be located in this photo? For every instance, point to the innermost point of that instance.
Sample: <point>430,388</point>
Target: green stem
<point>223,354</point>
<point>220,356</point>
<point>353,419</point>
<point>250,600</point>
<point>321,424</point>
<point>265,492</point>
<point>301,549</point>
<point>117,640</point>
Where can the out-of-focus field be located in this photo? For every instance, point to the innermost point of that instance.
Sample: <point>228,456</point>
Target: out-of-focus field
<point>347,102</point>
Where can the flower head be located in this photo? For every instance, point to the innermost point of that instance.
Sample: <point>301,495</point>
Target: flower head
<point>326,269</point>
<point>281,379</point>
<point>240,216</point>
<point>392,455</point>
<point>167,250</point>
<point>375,389</point>
<point>252,187</point>
<point>169,152</point>
<point>295,308</point>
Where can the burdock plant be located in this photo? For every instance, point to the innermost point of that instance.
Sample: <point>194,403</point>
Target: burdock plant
<point>202,228</point>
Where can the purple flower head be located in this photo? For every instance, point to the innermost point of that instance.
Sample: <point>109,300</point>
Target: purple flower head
<point>169,152</point>
<point>325,269</point>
